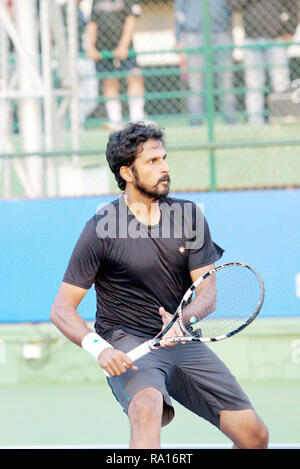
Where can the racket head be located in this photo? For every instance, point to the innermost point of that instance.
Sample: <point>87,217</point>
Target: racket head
<point>221,303</point>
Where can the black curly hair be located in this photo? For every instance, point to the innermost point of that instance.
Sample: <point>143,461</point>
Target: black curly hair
<point>124,145</point>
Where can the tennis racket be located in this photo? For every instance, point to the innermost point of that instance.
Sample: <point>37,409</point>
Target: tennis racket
<point>218,305</point>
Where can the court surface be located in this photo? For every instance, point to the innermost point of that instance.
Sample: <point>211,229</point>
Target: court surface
<point>88,416</point>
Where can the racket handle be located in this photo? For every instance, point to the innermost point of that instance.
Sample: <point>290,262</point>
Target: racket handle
<point>137,352</point>
<point>140,351</point>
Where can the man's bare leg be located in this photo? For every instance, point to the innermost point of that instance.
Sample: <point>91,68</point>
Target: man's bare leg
<point>245,429</point>
<point>145,414</point>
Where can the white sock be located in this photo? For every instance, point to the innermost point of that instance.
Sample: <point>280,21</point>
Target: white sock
<point>136,106</point>
<point>114,110</point>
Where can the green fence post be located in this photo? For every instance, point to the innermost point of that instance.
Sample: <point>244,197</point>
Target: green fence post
<point>209,88</point>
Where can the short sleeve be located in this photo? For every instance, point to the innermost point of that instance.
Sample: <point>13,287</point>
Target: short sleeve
<point>202,250</point>
<point>133,7</point>
<point>94,16</point>
<point>86,259</point>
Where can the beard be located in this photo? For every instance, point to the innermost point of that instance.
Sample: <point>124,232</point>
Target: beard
<point>156,192</point>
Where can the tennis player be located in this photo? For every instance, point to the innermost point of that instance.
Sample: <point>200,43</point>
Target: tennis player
<point>141,252</point>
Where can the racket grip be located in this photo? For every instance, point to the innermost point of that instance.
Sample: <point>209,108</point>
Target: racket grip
<point>140,351</point>
<point>137,352</point>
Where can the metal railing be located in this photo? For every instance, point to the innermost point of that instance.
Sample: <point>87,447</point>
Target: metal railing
<point>210,151</point>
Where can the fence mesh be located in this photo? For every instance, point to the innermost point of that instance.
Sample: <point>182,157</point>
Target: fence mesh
<point>222,77</point>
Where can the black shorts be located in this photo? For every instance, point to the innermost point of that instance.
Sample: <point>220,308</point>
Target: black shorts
<point>115,65</point>
<point>191,373</point>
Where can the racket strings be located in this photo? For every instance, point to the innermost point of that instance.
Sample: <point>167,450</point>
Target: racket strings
<point>223,302</point>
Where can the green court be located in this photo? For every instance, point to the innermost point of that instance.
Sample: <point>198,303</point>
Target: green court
<point>62,399</point>
<point>87,415</point>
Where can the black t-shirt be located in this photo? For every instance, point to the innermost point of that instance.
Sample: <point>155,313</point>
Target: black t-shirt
<point>136,268</point>
<point>110,16</point>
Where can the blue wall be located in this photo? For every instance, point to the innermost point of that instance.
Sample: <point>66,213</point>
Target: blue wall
<point>261,228</point>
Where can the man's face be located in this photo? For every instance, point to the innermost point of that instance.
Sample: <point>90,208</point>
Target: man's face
<point>150,170</point>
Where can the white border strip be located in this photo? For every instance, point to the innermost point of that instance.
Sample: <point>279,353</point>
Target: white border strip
<point>163,446</point>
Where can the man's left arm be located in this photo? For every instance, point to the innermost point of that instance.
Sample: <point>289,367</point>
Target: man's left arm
<point>196,273</point>
<point>208,291</point>
<point>122,50</point>
<point>175,330</point>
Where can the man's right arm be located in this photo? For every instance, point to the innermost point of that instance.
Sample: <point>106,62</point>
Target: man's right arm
<point>91,48</point>
<point>64,313</point>
<point>66,318</point>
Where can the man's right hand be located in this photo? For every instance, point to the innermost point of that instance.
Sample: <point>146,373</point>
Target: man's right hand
<point>93,54</point>
<point>115,362</point>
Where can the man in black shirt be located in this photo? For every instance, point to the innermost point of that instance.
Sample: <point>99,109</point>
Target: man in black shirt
<point>141,252</point>
<point>111,28</point>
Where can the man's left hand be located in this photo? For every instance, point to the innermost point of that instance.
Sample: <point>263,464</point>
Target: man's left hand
<point>174,331</point>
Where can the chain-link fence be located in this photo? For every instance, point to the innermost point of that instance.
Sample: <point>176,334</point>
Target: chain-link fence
<point>221,76</point>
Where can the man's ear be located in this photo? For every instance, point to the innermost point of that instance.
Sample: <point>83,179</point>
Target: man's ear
<point>126,173</point>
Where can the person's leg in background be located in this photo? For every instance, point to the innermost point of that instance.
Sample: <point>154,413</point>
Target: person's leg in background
<point>224,77</point>
<point>278,62</point>
<point>88,88</point>
<point>136,91</point>
<point>195,65</point>
<point>255,77</point>
<point>113,105</point>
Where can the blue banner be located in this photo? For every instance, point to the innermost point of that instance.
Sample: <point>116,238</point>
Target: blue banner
<point>261,228</point>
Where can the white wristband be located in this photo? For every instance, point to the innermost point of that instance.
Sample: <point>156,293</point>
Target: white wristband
<point>94,344</point>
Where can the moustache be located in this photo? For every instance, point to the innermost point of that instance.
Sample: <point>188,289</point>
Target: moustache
<point>164,178</point>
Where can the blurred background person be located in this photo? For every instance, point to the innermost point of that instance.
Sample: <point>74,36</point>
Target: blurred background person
<point>88,83</point>
<point>189,30</point>
<point>7,69</point>
<point>265,21</point>
<point>111,28</point>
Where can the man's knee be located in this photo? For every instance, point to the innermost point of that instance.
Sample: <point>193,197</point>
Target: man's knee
<point>257,436</point>
<point>146,407</point>
<point>245,429</point>
<point>263,437</point>
<point>145,412</point>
